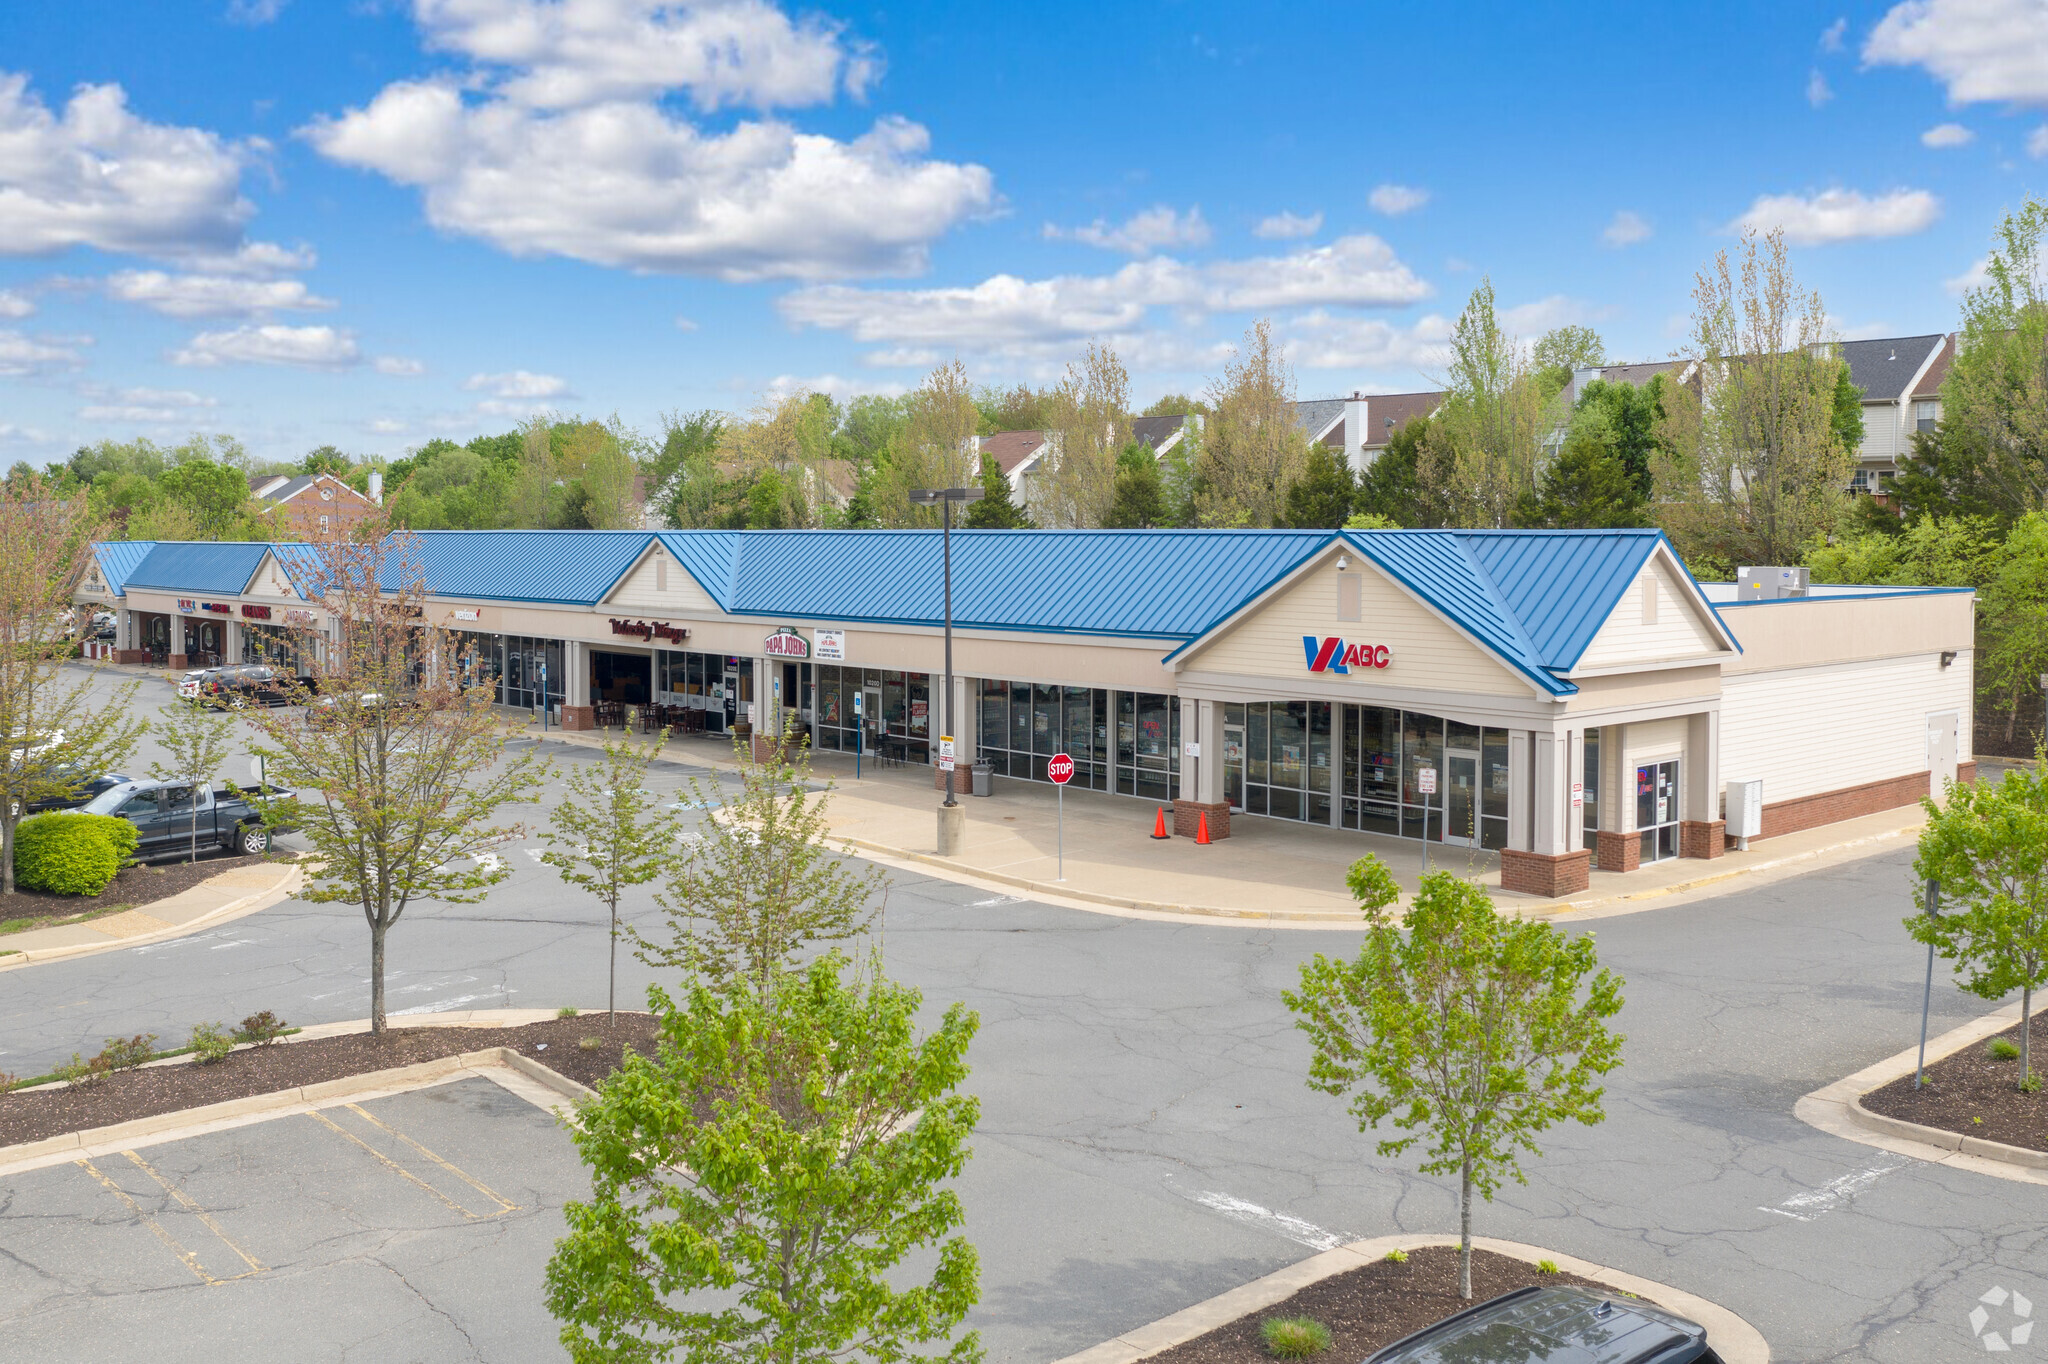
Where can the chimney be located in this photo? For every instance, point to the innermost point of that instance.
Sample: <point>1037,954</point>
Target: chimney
<point>1355,433</point>
<point>1583,375</point>
<point>377,486</point>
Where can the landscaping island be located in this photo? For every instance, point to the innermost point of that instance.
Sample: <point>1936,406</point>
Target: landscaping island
<point>1976,1092</point>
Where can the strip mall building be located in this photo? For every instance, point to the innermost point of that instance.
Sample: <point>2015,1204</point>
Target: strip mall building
<point>1573,698</point>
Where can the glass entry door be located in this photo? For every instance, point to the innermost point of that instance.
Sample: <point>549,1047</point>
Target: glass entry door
<point>732,698</point>
<point>1233,765</point>
<point>1657,810</point>
<point>1461,798</point>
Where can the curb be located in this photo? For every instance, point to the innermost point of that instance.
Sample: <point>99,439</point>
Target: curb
<point>1838,1110</point>
<point>1733,1339</point>
<point>288,884</point>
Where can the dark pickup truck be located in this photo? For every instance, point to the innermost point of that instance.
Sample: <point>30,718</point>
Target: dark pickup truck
<point>167,821</point>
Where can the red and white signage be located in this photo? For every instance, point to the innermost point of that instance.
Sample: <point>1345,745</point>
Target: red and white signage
<point>1333,654</point>
<point>786,644</point>
<point>1060,768</point>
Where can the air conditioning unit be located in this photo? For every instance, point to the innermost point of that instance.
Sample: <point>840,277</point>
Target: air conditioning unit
<point>1770,584</point>
<point>1744,810</point>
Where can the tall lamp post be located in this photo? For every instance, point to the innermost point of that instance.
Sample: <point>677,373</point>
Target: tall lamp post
<point>950,819</point>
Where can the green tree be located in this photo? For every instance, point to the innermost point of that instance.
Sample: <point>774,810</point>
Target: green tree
<point>1561,351</point>
<point>326,459</point>
<point>1322,496</point>
<point>610,835</point>
<point>2014,625</point>
<point>1628,420</point>
<point>1479,452</point>
<point>194,738</point>
<point>1585,488</point>
<point>788,1153</point>
<point>995,509</point>
<point>1847,418</point>
<point>1473,1031</point>
<point>1987,843</point>
<point>1389,487</point>
<point>1138,500</point>
<point>1995,396</point>
<point>1253,447</point>
<point>1932,551</point>
<point>217,495</point>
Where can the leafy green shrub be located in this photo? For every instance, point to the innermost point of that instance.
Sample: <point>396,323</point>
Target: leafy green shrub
<point>81,1073</point>
<point>566,1011</point>
<point>1396,1256</point>
<point>591,1043</point>
<point>2002,1049</point>
<point>2030,1083</point>
<point>262,1029</point>
<point>1546,1266</point>
<point>126,1053</point>
<point>1294,1337</point>
<point>211,1042</point>
<point>71,854</point>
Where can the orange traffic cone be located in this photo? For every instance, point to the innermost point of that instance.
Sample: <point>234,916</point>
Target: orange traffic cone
<point>1202,829</point>
<point>1159,825</point>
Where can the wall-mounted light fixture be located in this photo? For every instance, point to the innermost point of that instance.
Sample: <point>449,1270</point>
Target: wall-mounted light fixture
<point>1343,562</point>
<point>1948,656</point>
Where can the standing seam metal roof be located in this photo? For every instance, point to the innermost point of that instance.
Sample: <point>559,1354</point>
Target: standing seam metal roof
<point>118,559</point>
<point>217,568</point>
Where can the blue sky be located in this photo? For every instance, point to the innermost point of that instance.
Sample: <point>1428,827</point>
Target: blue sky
<point>373,223</point>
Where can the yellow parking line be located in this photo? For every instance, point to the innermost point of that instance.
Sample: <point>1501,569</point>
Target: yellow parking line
<point>198,1212</point>
<point>392,1165</point>
<point>185,1257</point>
<point>505,1205</point>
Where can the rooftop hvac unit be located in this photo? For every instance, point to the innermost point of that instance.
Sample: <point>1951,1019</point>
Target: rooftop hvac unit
<point>1770,584</point>
<point>1745,810</point>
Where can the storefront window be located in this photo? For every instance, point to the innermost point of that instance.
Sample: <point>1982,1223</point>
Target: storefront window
<point>1024,723</point>
<point>1590,811</point>
<point>896,706</point>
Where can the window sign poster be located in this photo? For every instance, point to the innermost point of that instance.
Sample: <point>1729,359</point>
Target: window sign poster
<point>830,646</point>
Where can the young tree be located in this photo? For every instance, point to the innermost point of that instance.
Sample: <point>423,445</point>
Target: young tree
<point>1390,488</point>
<point>1139,500</point>
<point>760,885</point>
<point>610,835</point>
<point>1321,498</point>
<point>1988,846</point>
<point>1561,351</point>
<point>1479,452</point>
<point>788,1152</point>
<point>1089,426</point>
<point>2014,623</point>
<point>1253,447</point>
<point>995,509</point>
<point>55,727</point>
<point>934,448</point>
<point>194,737</point>
<point>1995,397</point>
<point>1472,1031</point>
<point>1584,488</point>
<point>398,767</point>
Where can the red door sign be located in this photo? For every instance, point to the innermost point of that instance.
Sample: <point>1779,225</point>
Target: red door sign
<point>1060,768</point>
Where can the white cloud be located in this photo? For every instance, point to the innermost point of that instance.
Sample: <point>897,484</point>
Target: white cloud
<point>1817,90</point>
<point>99,176</point>
<point>1394,200</point>
<point>24,435</point>
<point>1321,340</point>
<point>146,405</point>
<point>398,366</point>
<point>251,260</point>
<point>271,344</point>
<point>518,383</point>
<point>836,386</point>
<point>1840,215</point>
<point>1287,227</point>
<point>13,304</point>
<point>1831,36</point>
<point>1557,310</point>
<point>629,185</point>
<point>1982,50</point>
<point>723,52</point>
<point>1156,229</point>
<point>684,324</point>
<point>2037,142</point>
<point>211,295</point>
<point>1358,271</point>
<point>1626,229</point>
<point>1944,135</point>
<point>1976,277</point>
<point>386,426</point>
<point>22,355</point>
<point>254,12</point>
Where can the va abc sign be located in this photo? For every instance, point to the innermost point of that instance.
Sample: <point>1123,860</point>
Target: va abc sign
<point>1330,654</point>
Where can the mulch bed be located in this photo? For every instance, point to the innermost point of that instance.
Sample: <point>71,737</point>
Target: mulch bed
<point>131,888</point>
<point>1371,1307</point>
<point>31,1115</point>
<point>1970,1093</point>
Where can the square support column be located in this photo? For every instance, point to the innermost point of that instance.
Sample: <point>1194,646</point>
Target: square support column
<point>1551,867</point>
<point>574,686</point>
<point>1703,832</point>
<point>1201,779</point>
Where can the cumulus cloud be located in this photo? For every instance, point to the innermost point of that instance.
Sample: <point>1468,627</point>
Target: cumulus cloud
<point>13,304</point>
<point>1156,229</point>
<point>518,383</point>
<point>177,295</point>
<point>1982,50</point>
<point>1831,36</point>
<point>96,175</point>
<point>146,405</point>
<point>1944,135</point>
<point>254,12</point>
<point>836,386</point>
<point>1976,277</point>
<point>685,324</point>
<point>2037,142</point>
<point>1626,229</point>
<point>1818,92</point>
<point>1394,200</point>
<point>1323,340</point>
<point>561,142</point>
<point>387,426</point>
<point>1840,215</point>
<point>398,366</point>
<point>22,355</point>
<point>271,344</point>
<point>1556,310</point>
<point>1358,271</point>
<point>1287,227</point>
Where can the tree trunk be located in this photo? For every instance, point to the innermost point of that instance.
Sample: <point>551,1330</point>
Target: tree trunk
<point>377,930</point>
<point>2026,1034</point>
<point>611,989</point>
<point>1465,1234</point>
<point>7,823</point>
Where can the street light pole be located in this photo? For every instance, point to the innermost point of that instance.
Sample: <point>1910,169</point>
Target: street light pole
<point>944,498</point>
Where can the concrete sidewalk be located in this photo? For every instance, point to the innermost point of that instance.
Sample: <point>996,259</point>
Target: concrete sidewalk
<point>1267,871</point>
<point>233,893</point>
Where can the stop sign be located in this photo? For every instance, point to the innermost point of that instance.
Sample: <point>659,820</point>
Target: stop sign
<point>1060,768</point>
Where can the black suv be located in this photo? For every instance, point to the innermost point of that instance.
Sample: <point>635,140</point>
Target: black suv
<point>1555,1326</point>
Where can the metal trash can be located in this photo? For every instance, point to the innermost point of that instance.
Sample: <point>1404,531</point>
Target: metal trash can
<point>984,779</point>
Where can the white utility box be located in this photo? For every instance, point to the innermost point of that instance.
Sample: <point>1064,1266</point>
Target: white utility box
<point>1745,813</point>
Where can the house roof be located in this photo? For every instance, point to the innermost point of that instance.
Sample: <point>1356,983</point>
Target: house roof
<point>1883,368</point>
<point>1636,374</point>
<point>215,568</point>
<point>1930,382</point>
<point>1399,408</point>
<point>276,488</point>
<point>1156,432</point>
<point>117,560</point>
<point>1012,448</point>
<point>1319,416</point>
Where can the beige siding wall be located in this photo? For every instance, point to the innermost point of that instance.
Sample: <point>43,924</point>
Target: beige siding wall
<point>270,583</point>
<point>1802,634</point>
<point>1656,738</point>
<point>1808,730</point>
<point>1427,653</point>
<point>1662,687</point>
<point>1883,432</point>
<point>1681,629</point>
<point>640,590</point>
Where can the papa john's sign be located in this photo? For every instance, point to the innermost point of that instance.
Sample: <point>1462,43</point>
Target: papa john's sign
<point>1331,654</point>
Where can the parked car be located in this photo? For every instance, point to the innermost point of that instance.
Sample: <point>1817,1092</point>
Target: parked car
<point>83,792</point>
<point>166,815</point>
<point>251,684</point>
<point>190,683</point>
<point>1555,1326</point>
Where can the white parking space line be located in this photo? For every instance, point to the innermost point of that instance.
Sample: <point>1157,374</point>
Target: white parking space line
<point>1811,1203</point>
<point>1293,1228</point>
<point>441,1006</point>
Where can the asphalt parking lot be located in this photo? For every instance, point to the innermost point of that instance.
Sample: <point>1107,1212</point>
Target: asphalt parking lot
<point>402,1229</point>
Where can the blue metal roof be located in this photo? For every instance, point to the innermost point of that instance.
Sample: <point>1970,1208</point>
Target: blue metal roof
<point>1562,585</point>
<point>204,568</point>
<point>117,560</point>
<point>1439,567</point>
<point>559,567</point>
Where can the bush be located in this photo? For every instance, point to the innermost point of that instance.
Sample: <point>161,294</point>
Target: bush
<point>2002,1049</point>
<point>81,1073</point>
<point>262,1029</point>
<point>1396,1256</point>
<point>126,1053</point>
<point>566,1011</point>
<point>1294,1337</point>
<point>71,854</point>
<point>1546,1266</point>
<point>211,1042</point>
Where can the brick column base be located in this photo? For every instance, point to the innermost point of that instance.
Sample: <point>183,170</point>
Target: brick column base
<point>1187,818</point>
<point>1620,852</point>
<point>142,656</point>
<point>1702,837</point>
<point>579,717</point>
<point>1545,874</point>
<point>178,663</point>
<point>1966,773</point>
